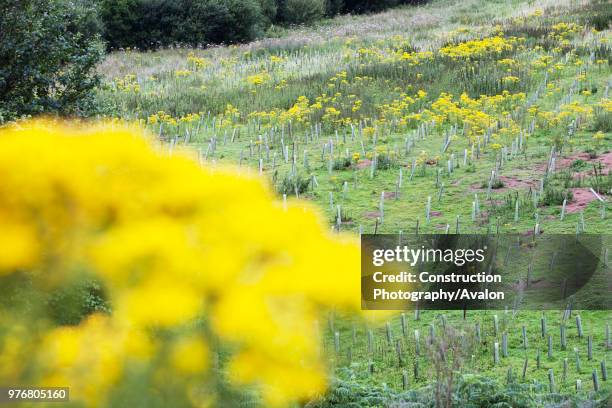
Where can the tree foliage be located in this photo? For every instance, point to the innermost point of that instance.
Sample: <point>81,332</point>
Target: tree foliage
<point>147,24</point>
<point>48,52</point>
<point>303,11</point>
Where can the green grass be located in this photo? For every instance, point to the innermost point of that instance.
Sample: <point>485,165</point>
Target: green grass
<point>388,370</point>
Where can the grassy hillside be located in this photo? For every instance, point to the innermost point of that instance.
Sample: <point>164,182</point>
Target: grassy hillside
<point>455,116</point>
<point>339,103</point>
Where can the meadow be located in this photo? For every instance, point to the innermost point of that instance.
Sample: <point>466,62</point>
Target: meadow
<point>449,117</point>
<point>479,126</point>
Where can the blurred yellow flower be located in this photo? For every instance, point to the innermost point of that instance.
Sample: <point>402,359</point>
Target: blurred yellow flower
<point>171,243</point>
<point>189,355</point>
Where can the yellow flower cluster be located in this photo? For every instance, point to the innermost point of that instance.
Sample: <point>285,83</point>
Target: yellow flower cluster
<point>477,114</point>
<point>562,31</point>
<point>480,48</point>
<point>275,59</point>
<point>398,108</point>
<point>298,113</point>
<point>197,63</point>
<point>181,73</point>
<point>190,118</point>
<point>395,50</point>
<point>171,243</point>
<point>415,58</point>
<point>511,79</point>
<point>572,110</point>
<point>542,62</point>
<point>338,79</point>
<point>599,136</point>
<point>369,131</point>
<point>161,117</point>
<point>331,115</point>
<point>230,116</point>
<point>127,84</point>
<point>282,84</point>
<point>606,104</point>
<point>259,79</point>
<point>422,158</point>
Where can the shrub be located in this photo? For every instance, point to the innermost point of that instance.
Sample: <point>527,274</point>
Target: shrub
<point>333,7</point>
<point>495,185</point>
<point>603,122</point>
<point>289,185</point>
<point>140,23</point>
<point>303,11</point>
<point>149,24</point>
<point>601,182</point>
<point>341,163</point>
<point>268,10</point>
<point>600,15</point>
<point>226,21</point>
<point>578,164</point>
<point>245,20</point>
<point>371,6</point>
<point>555,195</point>
<point>84,17</point>
<point>48,51</point>
<point>384,161</point>
<point>366,6</point>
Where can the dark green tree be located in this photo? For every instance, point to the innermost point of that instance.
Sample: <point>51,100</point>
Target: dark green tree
<point>303,11</point>
<point>333,7</point>
<point>48,54</point>
<point>367,6</point>
<point>148,24</point>
<point>269,11</point>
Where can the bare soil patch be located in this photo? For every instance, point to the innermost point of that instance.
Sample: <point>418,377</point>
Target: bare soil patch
<point>372,214</point>
<point>582,198</point>
<point>364,164</point>
<point>565,162</point>
<point>510,183</point>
